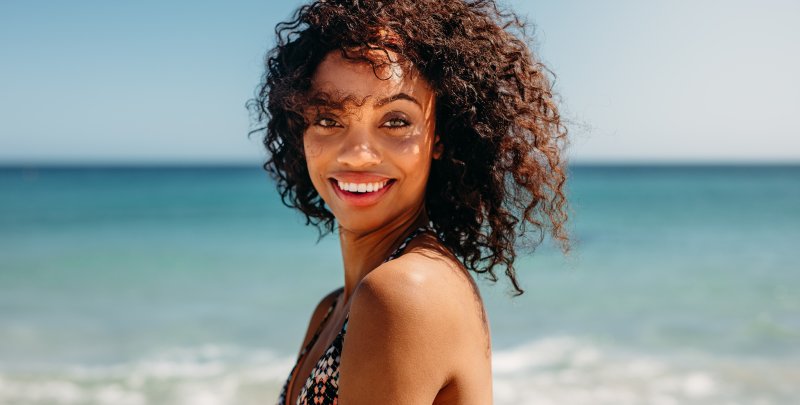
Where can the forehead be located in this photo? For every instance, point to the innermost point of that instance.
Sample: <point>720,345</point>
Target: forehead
<point>358,81</point>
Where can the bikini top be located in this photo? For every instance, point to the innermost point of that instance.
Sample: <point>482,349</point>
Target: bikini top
<point>322,386</point>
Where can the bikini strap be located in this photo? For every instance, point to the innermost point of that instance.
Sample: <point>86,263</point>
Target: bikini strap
<point>397,252</point>
<point>319,328</point>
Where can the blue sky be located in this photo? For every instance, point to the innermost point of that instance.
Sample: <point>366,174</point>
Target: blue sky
<point>166,82</point>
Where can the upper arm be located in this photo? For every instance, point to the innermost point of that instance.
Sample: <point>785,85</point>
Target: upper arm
<point>398,348</point>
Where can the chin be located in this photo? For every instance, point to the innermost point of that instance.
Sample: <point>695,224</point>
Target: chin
<point>360,225</point>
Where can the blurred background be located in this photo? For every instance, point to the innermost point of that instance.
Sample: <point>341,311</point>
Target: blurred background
<point>145,258</point>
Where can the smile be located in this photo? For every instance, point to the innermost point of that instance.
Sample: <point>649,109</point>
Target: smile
<point>361,187</point>
<point>361,194</point>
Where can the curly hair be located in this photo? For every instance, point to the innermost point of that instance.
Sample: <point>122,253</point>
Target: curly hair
<point>502,166</point>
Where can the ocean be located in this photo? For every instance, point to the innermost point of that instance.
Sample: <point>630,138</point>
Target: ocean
<point>193,285</point>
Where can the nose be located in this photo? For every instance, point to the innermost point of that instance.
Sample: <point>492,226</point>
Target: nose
<point>359,149</point>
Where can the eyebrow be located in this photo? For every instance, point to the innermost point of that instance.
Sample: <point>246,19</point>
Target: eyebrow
<point>399,96</point>
<point>324,100</point>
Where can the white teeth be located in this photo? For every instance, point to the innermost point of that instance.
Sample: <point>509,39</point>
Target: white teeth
<point>361,187</point>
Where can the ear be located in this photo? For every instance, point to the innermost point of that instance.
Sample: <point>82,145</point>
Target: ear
<point>438,147</point>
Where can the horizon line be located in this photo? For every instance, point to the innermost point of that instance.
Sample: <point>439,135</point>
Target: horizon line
<point>258,165</point>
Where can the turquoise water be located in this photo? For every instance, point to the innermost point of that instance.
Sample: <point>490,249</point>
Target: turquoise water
<point>194,286</point>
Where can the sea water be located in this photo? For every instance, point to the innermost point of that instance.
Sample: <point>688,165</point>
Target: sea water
<point>193,285</point>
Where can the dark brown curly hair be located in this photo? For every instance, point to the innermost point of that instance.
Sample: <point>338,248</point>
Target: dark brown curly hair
<point>502,167</point>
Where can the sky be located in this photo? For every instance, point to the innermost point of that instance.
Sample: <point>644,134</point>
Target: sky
<point>167,82</point>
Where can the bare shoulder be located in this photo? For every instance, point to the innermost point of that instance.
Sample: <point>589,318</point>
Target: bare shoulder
<point>413,320</point>
<point>328,300</point>
<point>319,313</point>
<point>424,286</point>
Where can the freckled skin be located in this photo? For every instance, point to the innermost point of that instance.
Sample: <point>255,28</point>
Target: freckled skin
<point>359,139</point>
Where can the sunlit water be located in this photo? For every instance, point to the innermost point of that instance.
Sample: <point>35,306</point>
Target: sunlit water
<point>194,286</point>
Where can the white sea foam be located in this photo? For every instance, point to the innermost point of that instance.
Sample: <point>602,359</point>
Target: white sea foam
<point>205,375</point>
<point>556,370</point>
<point>567,370</point>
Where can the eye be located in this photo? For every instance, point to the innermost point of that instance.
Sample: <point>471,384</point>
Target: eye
<point>395,123</point>
<point>326,122</point>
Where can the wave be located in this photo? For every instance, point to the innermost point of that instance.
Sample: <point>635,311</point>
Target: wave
<point>562,370</point>
<point>569,370</point>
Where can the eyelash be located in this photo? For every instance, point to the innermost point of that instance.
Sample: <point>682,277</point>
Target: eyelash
<point>333,124</point>
<point>318,122</point>
<point>403,123</point>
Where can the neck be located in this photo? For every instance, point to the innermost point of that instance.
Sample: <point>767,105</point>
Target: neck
<point>362,252</point>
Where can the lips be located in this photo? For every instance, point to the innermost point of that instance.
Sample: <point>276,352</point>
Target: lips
<point>358,194</point>
<point>359,177</point>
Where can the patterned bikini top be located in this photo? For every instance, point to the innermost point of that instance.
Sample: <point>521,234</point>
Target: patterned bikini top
<point>322,386</point>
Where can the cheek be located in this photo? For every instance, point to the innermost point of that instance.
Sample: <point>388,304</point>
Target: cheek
<point>415,158</point>
<point>412,151</point>
<point>417,146</point>
<point>314,159</point>
<point>312,148</point>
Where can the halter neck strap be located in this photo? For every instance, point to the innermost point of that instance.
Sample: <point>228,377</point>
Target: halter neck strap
<point>397,252</point>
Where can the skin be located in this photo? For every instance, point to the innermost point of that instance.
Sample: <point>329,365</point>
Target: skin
<point>417,332</point>
<point>394,140</point>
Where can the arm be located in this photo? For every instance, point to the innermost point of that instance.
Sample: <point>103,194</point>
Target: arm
<point>400,343</point>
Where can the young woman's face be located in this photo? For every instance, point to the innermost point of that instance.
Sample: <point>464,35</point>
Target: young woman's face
<point>369,142</point>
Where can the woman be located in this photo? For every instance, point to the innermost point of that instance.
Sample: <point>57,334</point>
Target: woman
<point>427,133</point>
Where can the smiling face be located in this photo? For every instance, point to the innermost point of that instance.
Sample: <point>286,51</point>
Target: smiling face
<point>369,142</point>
